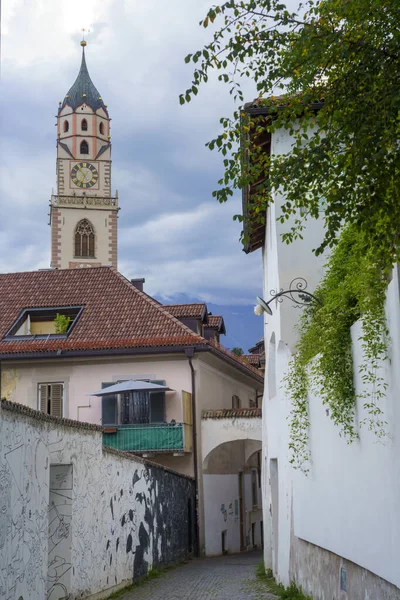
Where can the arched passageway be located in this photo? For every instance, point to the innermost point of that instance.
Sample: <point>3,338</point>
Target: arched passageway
<point>232,497</point>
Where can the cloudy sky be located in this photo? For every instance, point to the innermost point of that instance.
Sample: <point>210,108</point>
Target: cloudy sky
<point>171,231</point>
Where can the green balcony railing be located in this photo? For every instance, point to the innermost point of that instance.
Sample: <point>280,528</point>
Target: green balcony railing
<point>147,437</point>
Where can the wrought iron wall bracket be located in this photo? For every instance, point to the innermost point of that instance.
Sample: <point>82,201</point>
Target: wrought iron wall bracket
<point>297,293</point>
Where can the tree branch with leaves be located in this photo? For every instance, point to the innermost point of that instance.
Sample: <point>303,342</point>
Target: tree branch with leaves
<point>340,55</point>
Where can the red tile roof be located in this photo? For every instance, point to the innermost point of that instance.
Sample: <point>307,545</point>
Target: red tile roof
<point>115,315</point>
<point>235,357</point>
<point>195,311</point>
<point>232,413</point>
<point>253,359</point>
<point>215,322</point>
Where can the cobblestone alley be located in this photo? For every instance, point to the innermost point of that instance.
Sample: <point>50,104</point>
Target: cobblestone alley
<point>231,577</point>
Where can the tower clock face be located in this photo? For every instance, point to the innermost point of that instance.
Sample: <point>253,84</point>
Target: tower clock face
<point>84,175</point>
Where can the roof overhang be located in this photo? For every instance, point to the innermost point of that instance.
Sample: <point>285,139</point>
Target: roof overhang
<point>254,226</point>
<point>140,351</point>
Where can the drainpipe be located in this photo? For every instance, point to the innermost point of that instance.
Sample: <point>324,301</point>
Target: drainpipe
<point>189,352</point>
<point>82,406</point>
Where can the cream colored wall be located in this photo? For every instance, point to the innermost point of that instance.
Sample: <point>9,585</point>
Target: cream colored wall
<point>218,383</point>
<point>42,327</point>
<point>80,378</point>
<point>100,220</point>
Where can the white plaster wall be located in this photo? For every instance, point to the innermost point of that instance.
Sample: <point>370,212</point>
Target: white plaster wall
<point>110,496</point>
<point>219,431</point>
<point>252,515</point>
<point>285,262</point>
<point>276,424</point>
<point>220,493</point>
<point>349,503</point>
<point>281,264</point>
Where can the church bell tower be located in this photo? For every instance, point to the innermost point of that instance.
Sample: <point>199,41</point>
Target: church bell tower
<point>83,212</point>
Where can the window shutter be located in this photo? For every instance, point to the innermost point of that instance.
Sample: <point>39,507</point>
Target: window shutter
<point>157,404</point>
<point>56,398</point>
<point>109,407</point>
<point>43,397</point>
<point>187,408</point>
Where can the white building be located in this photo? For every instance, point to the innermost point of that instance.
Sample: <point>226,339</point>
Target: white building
<point>335,532</point>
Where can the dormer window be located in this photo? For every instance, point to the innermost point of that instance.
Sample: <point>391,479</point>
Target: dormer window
<point>84,125</point>
<point>84,147</point>
<point>66,126</point>
<point>101,128</point>
<point>42,323</point>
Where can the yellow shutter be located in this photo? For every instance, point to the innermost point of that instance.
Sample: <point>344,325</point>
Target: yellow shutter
<point>43,397</point>
<point>187,408</point>
<point>56,399</point>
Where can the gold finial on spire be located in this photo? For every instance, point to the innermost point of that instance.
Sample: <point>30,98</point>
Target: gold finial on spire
<point>83,42</point>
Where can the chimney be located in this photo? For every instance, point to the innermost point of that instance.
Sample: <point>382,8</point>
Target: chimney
<point>138,283</point>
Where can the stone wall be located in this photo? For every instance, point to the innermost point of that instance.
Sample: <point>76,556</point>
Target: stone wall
<point>77,520</point>
<point>327,576</point>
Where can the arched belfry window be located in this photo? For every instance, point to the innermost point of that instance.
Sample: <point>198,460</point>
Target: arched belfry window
<point>84,147</point>
<point>101,128</point>
<point>84,239</point>
<point>66,126</point>
<point>84,125</point>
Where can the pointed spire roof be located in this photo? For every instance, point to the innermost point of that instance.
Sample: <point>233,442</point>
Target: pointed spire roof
<point>83,90</point>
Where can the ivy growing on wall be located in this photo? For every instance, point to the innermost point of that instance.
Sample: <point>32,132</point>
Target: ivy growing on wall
<point>353,288</point>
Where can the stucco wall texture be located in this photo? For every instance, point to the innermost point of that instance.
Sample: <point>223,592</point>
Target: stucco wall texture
<point>345,513</point>
<point>80,521</point>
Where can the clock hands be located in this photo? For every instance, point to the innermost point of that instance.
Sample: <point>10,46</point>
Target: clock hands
<point>84,176</point>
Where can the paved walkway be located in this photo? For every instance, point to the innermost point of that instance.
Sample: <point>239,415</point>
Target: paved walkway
<point>230,577</point>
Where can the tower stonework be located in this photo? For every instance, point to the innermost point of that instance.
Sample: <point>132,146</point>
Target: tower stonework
<point>83,212</point>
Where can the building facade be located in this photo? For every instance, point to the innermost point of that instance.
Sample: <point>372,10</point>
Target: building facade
<point>334,532</point>
<point>113,332</point>
<point>83,211</point>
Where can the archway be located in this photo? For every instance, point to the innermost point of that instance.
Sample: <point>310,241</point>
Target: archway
<point>232,497</point>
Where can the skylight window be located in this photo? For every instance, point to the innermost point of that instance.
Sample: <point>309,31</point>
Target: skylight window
<point>41,323</point>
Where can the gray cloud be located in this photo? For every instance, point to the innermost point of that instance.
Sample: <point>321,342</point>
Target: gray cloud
<point>171,230</point>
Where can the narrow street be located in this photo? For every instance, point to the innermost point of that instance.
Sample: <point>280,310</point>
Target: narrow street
<point>231,577</point>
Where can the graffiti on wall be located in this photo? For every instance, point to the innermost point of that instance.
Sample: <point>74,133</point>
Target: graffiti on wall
<point>75,519</point>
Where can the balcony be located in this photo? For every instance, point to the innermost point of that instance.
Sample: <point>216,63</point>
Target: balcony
<point>149,437</point>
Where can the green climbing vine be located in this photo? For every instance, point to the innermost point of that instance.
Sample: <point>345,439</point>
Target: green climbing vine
<point>353,288</point>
